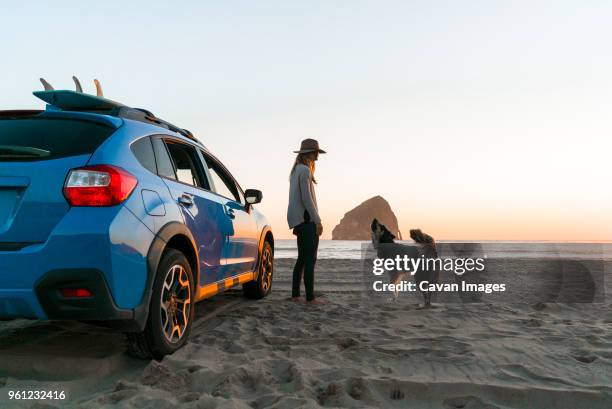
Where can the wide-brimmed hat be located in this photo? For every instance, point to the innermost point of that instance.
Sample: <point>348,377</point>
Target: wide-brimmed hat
<point>309,145</point>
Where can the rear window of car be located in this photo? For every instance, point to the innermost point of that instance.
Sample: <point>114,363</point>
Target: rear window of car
<point>35,139</point>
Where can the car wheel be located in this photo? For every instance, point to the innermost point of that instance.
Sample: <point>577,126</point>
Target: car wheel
<point>171,310</point>
<point>263,285</point>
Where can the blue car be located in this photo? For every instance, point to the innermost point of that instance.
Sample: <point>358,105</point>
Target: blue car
<point>110,214</point>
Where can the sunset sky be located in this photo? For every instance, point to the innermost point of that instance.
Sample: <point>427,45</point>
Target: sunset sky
<point>474,119</point>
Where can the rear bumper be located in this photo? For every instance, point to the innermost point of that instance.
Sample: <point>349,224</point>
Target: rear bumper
<point>45,301</point>
<point>100,306</point>
<point>20,304</point>
<point>105,252</point>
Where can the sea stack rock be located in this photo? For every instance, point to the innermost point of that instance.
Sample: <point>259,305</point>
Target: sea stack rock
<point>355,225</point>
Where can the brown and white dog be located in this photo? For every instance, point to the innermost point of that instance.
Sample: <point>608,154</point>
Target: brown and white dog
<point>386,247</point>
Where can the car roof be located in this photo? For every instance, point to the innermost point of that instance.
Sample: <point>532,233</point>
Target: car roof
<point>94,108</point>
<point>78,101</point>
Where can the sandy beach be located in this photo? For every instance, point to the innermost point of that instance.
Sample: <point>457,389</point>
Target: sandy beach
<point>354,352</point>
<point>444,165</point>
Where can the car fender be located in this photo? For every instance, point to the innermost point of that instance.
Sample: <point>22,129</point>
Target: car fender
<point>164,235</point>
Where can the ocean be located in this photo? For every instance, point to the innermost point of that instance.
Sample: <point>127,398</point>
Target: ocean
<point>349,249</point>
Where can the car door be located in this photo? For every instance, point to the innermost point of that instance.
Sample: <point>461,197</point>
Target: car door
<point>203,211</point>
<point>241,247</point>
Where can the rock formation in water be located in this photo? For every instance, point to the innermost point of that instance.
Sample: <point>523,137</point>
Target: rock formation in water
<point>355,225</point>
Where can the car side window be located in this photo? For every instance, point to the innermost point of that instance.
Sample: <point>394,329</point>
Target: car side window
<point>224,184</point>
<point>165,168</point>
<point>186,163</point>
<point>143,150</point>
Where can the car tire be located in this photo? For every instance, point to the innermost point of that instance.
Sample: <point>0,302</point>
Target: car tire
<point>171,310</point>
<point>261,287</point>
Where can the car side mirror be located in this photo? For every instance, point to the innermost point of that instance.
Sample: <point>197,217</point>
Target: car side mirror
<point>253,196</point>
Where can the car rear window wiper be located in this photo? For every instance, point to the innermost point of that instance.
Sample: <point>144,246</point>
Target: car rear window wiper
<point>22,152</point>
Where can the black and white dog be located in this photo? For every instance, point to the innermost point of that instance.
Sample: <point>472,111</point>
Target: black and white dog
<point>386,248</point>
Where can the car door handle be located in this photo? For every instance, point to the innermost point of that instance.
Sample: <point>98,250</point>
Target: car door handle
<point>185,200</point>
<point>230,212</point>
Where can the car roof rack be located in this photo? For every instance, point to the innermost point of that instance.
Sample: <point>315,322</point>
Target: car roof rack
<point>67,100</point>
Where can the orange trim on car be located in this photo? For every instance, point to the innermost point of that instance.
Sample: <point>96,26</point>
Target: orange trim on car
<point>211,289</point>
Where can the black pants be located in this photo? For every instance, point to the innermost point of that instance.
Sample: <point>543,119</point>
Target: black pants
<point>307,244</point>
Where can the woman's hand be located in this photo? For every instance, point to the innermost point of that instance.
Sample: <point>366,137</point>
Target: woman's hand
<point>319,229</point>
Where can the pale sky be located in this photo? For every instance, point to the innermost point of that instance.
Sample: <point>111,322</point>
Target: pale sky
<point>474,119</point>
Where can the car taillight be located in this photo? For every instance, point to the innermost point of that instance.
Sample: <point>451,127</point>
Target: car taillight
<point>99,185</point>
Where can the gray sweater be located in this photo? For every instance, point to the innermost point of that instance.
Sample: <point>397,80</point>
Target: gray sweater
<point>301,197</point>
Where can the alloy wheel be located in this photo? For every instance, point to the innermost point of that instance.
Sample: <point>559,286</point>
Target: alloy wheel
<point>175,303</point>
<point>266,269</point>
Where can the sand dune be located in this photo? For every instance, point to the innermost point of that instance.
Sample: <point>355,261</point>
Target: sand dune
<point>355,352</point>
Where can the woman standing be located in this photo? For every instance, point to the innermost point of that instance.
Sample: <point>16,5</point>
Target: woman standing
<point>303,217</point>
